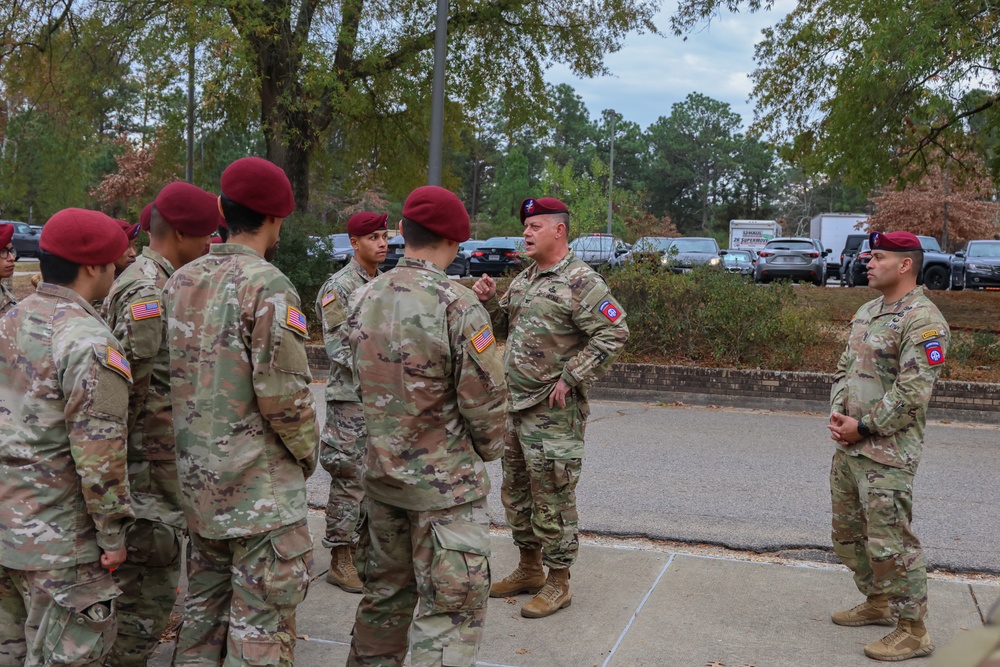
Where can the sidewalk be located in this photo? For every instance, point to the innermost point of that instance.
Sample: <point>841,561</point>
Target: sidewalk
<point>635,608</point>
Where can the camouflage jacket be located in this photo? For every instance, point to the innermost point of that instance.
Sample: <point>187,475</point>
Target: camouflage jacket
<point>331,306</point>
<point>886,374</point>
<point>431,382</point>
<point>7,300</point>
<point>559,323</point>
<point>243,414</point>
<point>63,404</point>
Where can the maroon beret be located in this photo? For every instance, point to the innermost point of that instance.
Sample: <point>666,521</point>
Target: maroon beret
<point>86,237</point>
<point>146,216</point>
<point>894,241</point>
<point>131,231</point>
<point>259,185</point>
<point>364,223</point>
<point>543,206</point>
<point>188,209</point>
<point>6,234</point>
<point>439,211</point>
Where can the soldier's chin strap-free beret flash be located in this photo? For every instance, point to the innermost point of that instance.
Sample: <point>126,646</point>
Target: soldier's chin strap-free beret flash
<point>894,241</point>
<point>440,211</point>
<point>85,237</point>
<point>6,234</point>
<point>188,209</point>
<point>544,206</point>
<point>131,230</point>
<point>260,186</point>
<point>364,223</point>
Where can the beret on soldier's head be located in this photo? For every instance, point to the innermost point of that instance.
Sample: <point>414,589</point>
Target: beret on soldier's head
<point>894,241</point>
<point>188,209</point>
<point>131,230</point>
<point>364,223</point>
<point>260,186</point>
<point>543,206</point>
<point>85,237</point>
<point>6,234</point>
<point>440,211</point>
<point>146,217</point>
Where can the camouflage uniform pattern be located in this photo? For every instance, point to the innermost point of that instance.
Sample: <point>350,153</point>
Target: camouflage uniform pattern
<point>560,323</point>
<point>431,380</point>
<point>245,437</point>
<point>344,435</point>
<point>149,578</point>
<point>885,377</point>
<point>7,300</point>
<point>64,403</point>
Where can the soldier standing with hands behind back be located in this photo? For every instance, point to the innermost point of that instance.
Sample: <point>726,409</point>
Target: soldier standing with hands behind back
<point>563,329</point>
<point>878,409</point>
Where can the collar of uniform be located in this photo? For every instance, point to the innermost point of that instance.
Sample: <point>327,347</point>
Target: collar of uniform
<point>898,306</point>
<point>60,292</point>
<point>413,263</point>
<point>159,260</point>
<point>360,270</point>
<point>558,266</point>
<point>232,249</point>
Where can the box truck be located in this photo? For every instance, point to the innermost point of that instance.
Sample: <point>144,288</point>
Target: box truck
<point>832,229</point>
<point>752,234</point>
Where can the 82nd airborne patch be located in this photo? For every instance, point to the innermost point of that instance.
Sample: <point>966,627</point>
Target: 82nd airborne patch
<point>610,311</point>
<point>935,353</point>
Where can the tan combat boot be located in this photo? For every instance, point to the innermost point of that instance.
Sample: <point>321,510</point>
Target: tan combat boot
<point>527,577</point>
<point>342,572</point>
<point>910,639</point>
<point>873,611</point>
<point>554,596</point>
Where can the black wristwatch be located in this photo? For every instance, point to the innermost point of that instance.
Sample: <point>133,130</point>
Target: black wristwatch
<point>863,430</point>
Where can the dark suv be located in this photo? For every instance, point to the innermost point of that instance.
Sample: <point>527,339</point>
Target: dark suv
<point>936,272</point>
<point>25,238</point>
<point>849,253</point>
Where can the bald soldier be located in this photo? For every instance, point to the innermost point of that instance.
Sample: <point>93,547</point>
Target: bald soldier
<point>183,218</point>
<point>244,431</point>
<point>878,408</point>
<point>7,258</point>
<point>64,383</point>
<point>563,329</point>
<point>431,382</point>
<point>344,435</point>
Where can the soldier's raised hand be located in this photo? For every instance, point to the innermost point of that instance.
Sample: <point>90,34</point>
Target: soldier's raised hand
<point>485,288</point>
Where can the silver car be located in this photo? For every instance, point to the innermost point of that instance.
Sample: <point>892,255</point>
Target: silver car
<point>796,259</point>
<point>685,253</point>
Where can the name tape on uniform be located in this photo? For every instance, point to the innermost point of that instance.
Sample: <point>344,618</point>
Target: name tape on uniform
<point>145,310</point>
<point>296,320</point>
<point>610,311</point>
<point>483,339</point>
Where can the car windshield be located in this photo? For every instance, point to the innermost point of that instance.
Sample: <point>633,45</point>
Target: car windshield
<point>694,245</point>
<point>651,244</point>
<point>514,242</point>
<point>985,249</point>
<point>929,243</point>
<point>864,247</point>
<point>470,245</point>
<point>790,245</point>
<point>734,257</point>
<point>592,243</point>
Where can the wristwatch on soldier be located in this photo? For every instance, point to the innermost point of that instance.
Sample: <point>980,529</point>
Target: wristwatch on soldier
<point>863,430</point>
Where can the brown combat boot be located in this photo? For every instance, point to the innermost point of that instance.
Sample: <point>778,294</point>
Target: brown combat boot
<point>554,596</point>
<point>342,572</point>
<point>910,639</point>
<point>873,611</point>
<point>527,577</point>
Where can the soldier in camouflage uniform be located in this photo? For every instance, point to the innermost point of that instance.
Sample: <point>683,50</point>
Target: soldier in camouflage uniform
<point>63,404</point>
<point>127,258</point>
<point>7,258</point>
<point>563,330</point>
<point>878,406</point>
<point>431,381</point>
<point>182,220</point>
<point>344,436</point>
<point>244,431</point>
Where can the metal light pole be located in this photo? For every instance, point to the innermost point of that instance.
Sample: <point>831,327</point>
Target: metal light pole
<point>611,174</point>
<point>437,96</point>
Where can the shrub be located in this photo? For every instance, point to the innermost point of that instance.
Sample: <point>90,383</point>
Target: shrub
<point>296,258</point>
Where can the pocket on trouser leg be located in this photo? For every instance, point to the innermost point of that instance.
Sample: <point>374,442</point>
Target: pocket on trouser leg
<point>152,544</point>
<point>460,570</point>
<point>459,654</point>
<point>81,626</point>
<point>261,653</point>
<point>286,579</point>
<point>566,461</point>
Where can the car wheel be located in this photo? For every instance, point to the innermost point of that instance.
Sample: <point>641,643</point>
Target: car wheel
<point>819,282</point>
<point>936,278</point>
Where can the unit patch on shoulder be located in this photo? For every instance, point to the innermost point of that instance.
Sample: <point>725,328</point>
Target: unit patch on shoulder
<point>610,311</point>
<point>297,320</point>
<point>930,333</point>
<point>117,362</point>
<point>328,298</point>
<point>935,353</point>
<point>483,339</point>
<point>145,310</point>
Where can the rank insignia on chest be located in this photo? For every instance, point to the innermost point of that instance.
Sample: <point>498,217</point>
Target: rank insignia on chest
<point>610,311</point>
<point>145,310</point>
<point>483,339</point>
<point>296,320</point>
<point>328,298</point>
<point>119,363</point>
<point>935,353</point>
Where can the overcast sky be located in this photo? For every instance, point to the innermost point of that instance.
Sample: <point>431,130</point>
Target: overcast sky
<point>651,73</point>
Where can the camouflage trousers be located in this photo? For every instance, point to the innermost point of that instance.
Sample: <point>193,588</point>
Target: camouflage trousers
<point>148,581</point>
<point>341,450</point>
<point>436,562</point>
<point>541,467</point>
<point>872,511</point>
<point>241,600</point>
<point>57,617</point>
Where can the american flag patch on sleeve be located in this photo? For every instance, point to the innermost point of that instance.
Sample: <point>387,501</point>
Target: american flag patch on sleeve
<point>328,298</point>
<point>119,363</point>
<point>145,310</point>
<point>296,320</point>
<point>483,339</point>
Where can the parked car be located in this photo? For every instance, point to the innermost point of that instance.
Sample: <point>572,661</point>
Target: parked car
<point>847,255</point>
<point>646,249</point>
<point>857,270</point>
<point>25,238</point>
<point>497,256</point>
<point>739,261</point>
<point>791,258</point>
<point>335,246</point>
<point>394,252</point>
<point>685,253</point>
<point>598,250</point>
<point>936,271</point>
<point>977,266</point>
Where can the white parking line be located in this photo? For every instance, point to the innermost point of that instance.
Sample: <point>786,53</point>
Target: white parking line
<point>621,637</point>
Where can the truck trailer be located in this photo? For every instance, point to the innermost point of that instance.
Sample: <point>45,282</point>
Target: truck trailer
<point>752,234</point>
<point>832,229</point>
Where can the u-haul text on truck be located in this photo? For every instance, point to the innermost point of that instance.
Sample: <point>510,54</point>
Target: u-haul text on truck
<point>752,234</point>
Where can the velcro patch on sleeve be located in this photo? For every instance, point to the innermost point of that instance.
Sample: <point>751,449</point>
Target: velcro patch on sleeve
<point>610,310</point>
<point>297,320</point>
<point>146,310</point>
<point>483,339</point>
<point>935,353</point>
<point>117,362</point>
<point>328,298</point>
<point>930,333</point>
